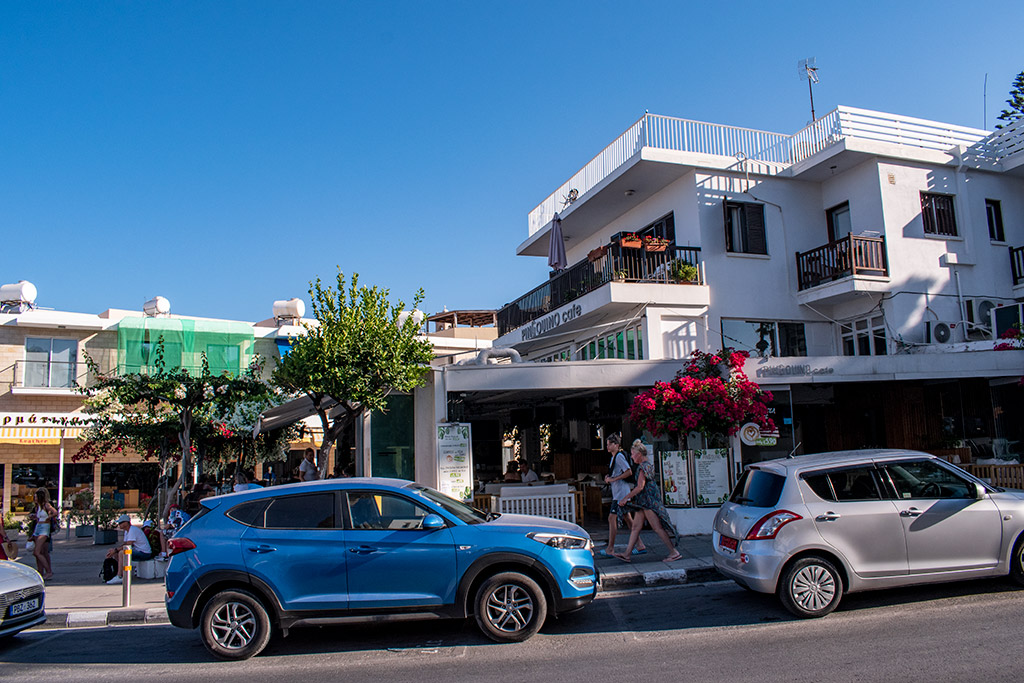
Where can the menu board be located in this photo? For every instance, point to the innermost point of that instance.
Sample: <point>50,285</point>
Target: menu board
<point>455,460</point>
<point>675,478</point>
<point>711,470</point>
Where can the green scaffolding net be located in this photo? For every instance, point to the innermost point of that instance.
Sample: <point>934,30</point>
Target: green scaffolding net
<point>228,345</point>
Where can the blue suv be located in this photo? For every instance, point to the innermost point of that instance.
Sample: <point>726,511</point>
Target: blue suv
<point>323,552</point>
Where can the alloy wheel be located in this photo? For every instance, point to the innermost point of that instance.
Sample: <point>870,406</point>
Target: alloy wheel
<point>813,588</point>
<point>233,625</point>
<point>509,608</point>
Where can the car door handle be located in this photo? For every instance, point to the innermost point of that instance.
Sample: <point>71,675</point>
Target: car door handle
<point>261,549</point>
<point>912,512</point>
<point>827,517</point>
<point>363,550</point>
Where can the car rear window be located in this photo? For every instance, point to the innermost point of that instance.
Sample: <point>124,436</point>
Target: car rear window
<point>758,488</point>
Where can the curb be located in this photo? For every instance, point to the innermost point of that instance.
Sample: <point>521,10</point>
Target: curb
<point>664,577</point>
<point>62,618</point>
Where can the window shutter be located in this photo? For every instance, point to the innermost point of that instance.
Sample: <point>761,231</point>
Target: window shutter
<point>753,214</point>
<point>729,246</point>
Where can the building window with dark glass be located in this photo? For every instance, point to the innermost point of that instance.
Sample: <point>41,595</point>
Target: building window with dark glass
<point>839,224</point>
<point>865,337</point>
<point>994,213</point>
<point>744,228</point>
<point>765,338</point>
<point>937,213</point>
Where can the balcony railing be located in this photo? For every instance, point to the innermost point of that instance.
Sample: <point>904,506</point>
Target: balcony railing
<point>41,374</point>
<point>1017,265</point>
<point>614,262</point>
<point>851,255</point>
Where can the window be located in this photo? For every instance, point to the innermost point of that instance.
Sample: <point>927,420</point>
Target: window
<point>927,480</point>
<point>839,225</point>
<point>50,363</point>
<point>995,220</point>
<point>664,227</point>
<point>251,513</point>
<point>937,212</point>
<point>312,511</point>
<point>765,338</point>
<point>379,511</point>
<point>223,358</point>
<point>857,483</point>
<point>744,228</point>
<point>627,345</point>
<point>865,337</point>
<point>757,488</point>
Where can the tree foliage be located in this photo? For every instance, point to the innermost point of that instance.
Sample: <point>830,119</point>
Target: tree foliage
<point>361,349</point>
<point>171,414</point>
<point>1016,102</point>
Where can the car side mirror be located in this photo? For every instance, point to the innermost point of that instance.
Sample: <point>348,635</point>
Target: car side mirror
<point>977,490</point>
<point>432,523</point>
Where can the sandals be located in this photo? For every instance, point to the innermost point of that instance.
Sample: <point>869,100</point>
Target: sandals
<point>671,558</point>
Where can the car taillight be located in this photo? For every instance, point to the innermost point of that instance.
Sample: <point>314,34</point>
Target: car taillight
<point>769,525</point>
<point>179,545</point>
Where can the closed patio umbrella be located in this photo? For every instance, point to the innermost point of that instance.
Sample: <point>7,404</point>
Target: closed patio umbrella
<point>556,246</point>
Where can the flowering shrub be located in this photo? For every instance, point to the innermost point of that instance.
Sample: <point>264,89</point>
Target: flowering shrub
<point>710,395</point>
<point>1013,339</point>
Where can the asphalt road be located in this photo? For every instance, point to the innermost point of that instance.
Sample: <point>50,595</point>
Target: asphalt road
<point>714,632</point>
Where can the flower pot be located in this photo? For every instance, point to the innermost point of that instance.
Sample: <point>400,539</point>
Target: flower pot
<point>656,247</point>
<point>630,244</point>
<point>104,536</point>
<point>84,530</point>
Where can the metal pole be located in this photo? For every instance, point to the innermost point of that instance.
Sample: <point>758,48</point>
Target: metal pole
<point>126,584</point>
<point>810,90</point>
<point>60,483</point>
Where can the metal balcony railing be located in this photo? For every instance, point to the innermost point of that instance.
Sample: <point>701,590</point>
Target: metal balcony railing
<point>846,257</point>
<point>1017,265</point>
<point>613,262</point>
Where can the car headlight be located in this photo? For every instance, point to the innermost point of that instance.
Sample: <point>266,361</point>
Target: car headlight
<point>561,541</point>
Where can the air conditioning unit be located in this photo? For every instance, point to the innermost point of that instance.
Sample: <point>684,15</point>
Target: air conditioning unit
<point>979,318</point>
<point>939,331</point>
<point>1005,317</point>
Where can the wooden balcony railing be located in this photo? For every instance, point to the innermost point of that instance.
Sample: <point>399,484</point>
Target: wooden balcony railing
<point>1017,264</point>
<point>851,255</point>
<point>613,262</point>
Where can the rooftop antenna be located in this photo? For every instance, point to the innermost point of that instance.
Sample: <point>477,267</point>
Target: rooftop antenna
<point>805,68</point>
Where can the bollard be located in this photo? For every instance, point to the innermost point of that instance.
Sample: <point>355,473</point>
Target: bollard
<point>126,585</point>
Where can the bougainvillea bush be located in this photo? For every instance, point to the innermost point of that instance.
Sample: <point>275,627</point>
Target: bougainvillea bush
<point>710,395</point>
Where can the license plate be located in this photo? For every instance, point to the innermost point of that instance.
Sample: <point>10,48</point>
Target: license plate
<point>24,606</point>
<point>727,543</point>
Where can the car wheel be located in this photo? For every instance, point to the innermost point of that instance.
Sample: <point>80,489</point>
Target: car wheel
<point>235,625</point>
<point>510,607</point>
<point>1017,561</point>
<point>811,587</point>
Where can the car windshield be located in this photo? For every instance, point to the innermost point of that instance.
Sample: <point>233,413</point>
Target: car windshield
<point>458,509</point>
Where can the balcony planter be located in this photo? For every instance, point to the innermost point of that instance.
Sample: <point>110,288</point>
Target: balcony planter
<point>655,244</point>
<point>596,254</point>
<point>630,241</point>
<point>683,272</point>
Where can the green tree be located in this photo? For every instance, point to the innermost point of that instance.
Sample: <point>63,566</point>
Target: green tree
<point>172,414</point>
<point>361,349</point>
<point>1016,102</point>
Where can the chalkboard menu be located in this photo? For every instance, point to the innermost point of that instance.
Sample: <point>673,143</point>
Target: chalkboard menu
<point>711,472</point>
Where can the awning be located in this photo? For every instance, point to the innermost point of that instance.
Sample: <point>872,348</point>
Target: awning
<point>291,412</point>
<point>38,436</point>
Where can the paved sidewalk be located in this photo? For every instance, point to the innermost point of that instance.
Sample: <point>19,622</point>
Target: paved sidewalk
<point>76,597</point>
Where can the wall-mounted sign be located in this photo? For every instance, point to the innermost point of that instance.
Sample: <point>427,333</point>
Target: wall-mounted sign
<point>542,326</point>
<point>711,470</point>
<point>455,460</point>
<point>789,370</point>
<point>752,435</point>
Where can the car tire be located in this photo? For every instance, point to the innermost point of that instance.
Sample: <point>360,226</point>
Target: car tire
<point>1017,561</point>
<point>810,587</point>
<point>235,625</point>
<point>510,607</point>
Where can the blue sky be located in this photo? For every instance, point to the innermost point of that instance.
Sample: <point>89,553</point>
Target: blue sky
<point>223,154</point>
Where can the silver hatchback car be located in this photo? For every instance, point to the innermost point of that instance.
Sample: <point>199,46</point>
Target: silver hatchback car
<point>812,527</point>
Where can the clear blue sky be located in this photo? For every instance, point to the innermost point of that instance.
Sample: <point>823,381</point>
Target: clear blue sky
<point>222,154</point>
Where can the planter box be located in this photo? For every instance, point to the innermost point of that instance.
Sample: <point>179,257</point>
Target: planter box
<point>84,530</point>
<point>104,537</point>
<point>630,244</point>
<point>655,247</point>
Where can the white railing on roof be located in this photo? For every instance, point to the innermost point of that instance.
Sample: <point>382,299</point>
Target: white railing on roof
<point>663,132</point>
<point>666,132</point>
<point>1002,143</point>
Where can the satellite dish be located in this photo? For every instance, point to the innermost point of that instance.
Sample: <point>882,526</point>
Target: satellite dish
<point>941,333</point>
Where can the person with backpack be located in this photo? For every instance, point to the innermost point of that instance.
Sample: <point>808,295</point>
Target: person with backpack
<point>619,477</point>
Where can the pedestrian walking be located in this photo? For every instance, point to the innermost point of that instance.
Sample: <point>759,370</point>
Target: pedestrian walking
<point>619,477</point>
<point>45,516</point>
<point>645,500</point>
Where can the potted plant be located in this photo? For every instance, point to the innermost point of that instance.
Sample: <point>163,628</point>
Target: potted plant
<point>630,240</point>
<point>655,243</point>
<point>681,271</point>
<point>81,514</point>
<point>103,517</point>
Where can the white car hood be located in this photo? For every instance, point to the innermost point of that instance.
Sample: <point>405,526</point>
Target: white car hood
<point>14,576</point>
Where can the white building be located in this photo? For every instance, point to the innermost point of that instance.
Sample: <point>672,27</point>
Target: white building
<point>858,261</point>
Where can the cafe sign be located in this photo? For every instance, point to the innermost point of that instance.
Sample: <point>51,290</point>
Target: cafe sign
<point>455,460</point>
<point>541,326</point>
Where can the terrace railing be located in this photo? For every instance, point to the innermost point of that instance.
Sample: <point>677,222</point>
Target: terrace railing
<point>614,263</point>
<point>851,255</point>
